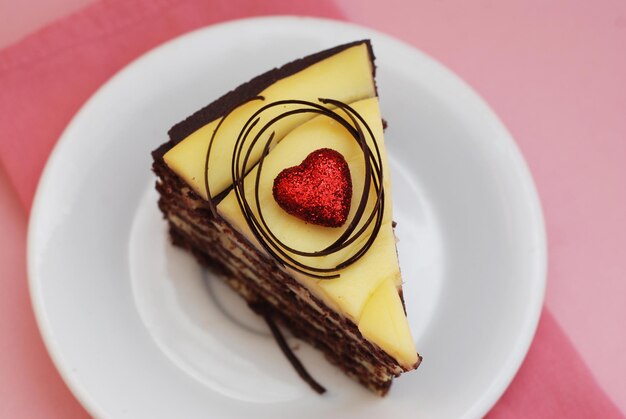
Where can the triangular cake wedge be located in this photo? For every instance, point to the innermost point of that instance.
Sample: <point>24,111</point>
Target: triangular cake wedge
<point>347,302</point>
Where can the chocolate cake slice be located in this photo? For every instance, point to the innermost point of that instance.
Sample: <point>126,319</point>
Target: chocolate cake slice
<point>282,187</point>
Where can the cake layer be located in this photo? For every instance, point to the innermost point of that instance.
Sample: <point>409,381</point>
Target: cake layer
<point>260,280</point>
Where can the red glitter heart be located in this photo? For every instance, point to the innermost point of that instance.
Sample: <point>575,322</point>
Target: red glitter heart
<point>318,191</point>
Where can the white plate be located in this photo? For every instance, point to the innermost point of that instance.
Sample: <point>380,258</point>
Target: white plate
<point>136,331</point>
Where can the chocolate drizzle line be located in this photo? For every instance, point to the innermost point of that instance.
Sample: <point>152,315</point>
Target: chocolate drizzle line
<point>359,130</point>
<point>284,347</point>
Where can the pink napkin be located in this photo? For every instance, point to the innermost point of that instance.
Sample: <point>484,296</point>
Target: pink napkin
<point>47,77</point>
<point>553,382</point>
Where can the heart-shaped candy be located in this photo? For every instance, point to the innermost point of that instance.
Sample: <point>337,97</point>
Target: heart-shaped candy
<point>318,190</point>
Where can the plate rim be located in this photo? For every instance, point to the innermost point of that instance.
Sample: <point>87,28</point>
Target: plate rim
<point>499,383</point>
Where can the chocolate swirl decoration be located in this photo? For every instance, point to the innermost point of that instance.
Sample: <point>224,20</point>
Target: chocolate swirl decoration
<point>359,130</point>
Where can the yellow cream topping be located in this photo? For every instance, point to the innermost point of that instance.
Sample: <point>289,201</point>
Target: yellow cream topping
<point>345,76</point>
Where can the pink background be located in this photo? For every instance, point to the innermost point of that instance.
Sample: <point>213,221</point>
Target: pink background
<point>555,72</point>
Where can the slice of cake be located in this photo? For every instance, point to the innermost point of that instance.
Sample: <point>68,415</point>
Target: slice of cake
<point>282,187</point>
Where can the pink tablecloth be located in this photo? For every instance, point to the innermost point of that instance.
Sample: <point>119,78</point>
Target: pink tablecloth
<point>553,72</point>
